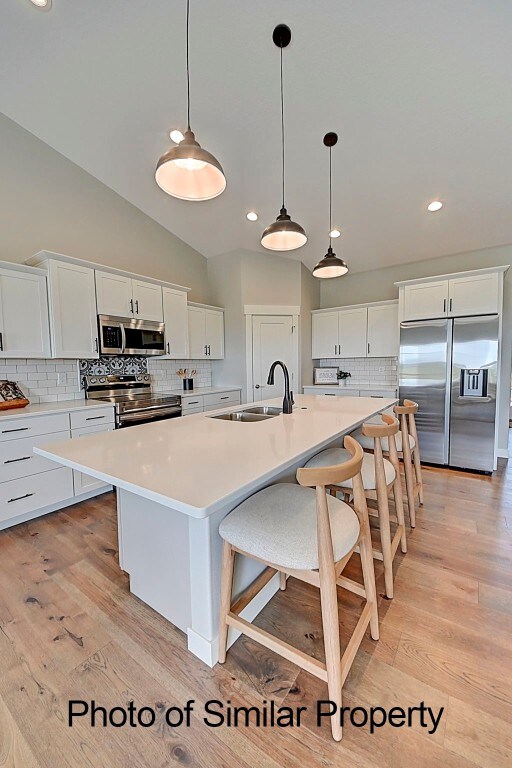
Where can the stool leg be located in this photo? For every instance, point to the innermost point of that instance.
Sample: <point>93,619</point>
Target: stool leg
<point>366,553</point>
<point>384,524</point>
<point>282,580</point>
<point>419,476</point>
<point>226,588</point>
<point>409,485</point>
<point>400,515</point>
<point>330,623</point>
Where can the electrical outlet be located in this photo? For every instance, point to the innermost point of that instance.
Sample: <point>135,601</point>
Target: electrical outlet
<point>61,379</point>
<point>381,369</point>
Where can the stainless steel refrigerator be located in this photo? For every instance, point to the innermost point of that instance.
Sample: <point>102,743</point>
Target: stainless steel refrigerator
<point>449,367</point>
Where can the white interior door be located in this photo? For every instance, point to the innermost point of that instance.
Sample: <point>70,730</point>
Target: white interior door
<point>272,339</point>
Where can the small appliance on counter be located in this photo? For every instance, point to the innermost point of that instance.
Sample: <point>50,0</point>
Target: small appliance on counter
<point>11,396</point>
<point>133,399</point>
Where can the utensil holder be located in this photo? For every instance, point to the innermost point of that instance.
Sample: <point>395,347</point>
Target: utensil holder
<point>188,384</point>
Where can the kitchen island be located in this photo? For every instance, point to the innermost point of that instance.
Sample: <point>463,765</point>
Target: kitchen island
<point>177,479</point>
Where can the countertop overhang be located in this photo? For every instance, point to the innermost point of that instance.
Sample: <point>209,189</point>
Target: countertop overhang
<point>198,464</point>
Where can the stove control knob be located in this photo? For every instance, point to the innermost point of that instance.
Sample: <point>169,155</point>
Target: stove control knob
<point>139,378</point>
<point>102,380</point>
<point>147,377</point>
<point>93,380</point>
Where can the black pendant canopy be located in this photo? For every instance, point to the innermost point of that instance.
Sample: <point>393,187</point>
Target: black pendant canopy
<point>283,234</point>
<point>330,265</point>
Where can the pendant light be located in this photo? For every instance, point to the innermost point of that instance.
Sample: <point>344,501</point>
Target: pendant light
<point>283,234</point>
<point>330,265</point>
<point>188,171</point>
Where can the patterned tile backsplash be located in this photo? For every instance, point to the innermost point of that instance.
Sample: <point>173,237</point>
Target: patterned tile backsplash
<point>46,381</point>
<point>382,370</point>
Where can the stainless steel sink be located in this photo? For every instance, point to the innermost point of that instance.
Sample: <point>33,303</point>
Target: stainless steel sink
<point>265,410</point>
<point>243,416</point>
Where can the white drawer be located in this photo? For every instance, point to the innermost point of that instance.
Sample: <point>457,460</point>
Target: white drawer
<point>190,411</point>
<point>18,497</point>
<point>378,393</point>
<point>85,483</point>
<point>221,398</point>
<point>192,401</point>
<point>90,417</point>
<point>26,426</point>
<point>17,458</point>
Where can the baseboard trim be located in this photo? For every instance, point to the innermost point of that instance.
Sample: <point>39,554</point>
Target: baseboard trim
<point>208,650</point>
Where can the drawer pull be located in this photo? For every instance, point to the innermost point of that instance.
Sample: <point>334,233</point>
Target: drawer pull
<point>22,458</point>
<point>18,498</point>
<point>193,402</point>
<point>329,394</point>
<point>19,429</point>
<point>93,418</point>
<point>225,398</point>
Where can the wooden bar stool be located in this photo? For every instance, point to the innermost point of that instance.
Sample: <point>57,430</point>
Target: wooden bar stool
<point>380,477</point>
<point>410,454</point>
<point>305,533</point>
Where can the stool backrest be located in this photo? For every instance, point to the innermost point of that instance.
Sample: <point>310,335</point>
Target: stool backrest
<point>389,428</point>
<point>319,478</point>
<point>407,421</point>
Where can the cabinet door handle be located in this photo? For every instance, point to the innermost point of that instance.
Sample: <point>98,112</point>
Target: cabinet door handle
<point>93,418</point>
<point>444,306</point>
<point>451,302</point>
<point>1,342</point>
<point>368,347</point>
<point>96,345</point>
<point>22,458</point>
<point>168,348</point>
<point>18,498</point>
<point>19,429</point>
<point>209,350</point>
<point>136,306</point>
<point>131,306</point>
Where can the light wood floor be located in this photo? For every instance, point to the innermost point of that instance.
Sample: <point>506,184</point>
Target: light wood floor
<point>70,629</point>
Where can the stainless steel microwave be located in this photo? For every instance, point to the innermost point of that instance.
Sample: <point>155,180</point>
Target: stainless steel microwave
<point>129,336</point>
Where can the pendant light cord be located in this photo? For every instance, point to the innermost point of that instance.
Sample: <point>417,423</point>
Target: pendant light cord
<point>330,195</point>
<point>282,120</point>
<point>188,68</point>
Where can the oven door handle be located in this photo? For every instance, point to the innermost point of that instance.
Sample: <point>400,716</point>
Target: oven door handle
<point>123,338</point>
<point>134,416</point>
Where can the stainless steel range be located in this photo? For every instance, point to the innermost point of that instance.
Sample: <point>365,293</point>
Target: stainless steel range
<point>133,398</point>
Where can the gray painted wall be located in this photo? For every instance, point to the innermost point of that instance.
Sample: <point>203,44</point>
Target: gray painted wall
<point>378,285</point>
<point>49,203</point>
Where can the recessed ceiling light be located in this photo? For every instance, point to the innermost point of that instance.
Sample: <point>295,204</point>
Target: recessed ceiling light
<point>43,5</point>
<point>435,205</point>
<point>176,136</point>
<point>334,233</point>
<point>252,216</point>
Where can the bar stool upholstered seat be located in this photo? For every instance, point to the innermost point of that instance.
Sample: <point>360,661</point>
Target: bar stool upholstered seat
<point>279,525</point>
<point>338,455</point>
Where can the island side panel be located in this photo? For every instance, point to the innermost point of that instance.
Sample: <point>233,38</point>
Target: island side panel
<point>154,551</point>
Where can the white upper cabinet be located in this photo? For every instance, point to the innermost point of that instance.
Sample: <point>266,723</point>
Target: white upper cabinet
<point>205,333</point>
<point>147,301</point>
<point>123,296</point>
<point>24,326</point>
<point>474,295</point>
<point>114,294</point>
<point>457,295</point>
<point>383,339</point>
<point>176,323</point>
<point>352,332</point>
<point>72,303</point>
<point>424,301</point>
<point>214,329</point>
<point>325,335</point>
<point>367,331</point>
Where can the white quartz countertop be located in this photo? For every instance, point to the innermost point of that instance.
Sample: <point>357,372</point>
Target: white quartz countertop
<point>200,391</point>
<point>198,464</point>
<point>40,409</point>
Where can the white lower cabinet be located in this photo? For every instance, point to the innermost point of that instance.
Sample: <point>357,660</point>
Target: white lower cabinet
<point>31,485</point>
<point>212,401</point>
<point>28,494</point>
<point>85,483</point>
<point>346,392</point>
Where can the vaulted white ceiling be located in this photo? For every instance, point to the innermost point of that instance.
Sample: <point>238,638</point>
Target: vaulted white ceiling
<point>419,93</point>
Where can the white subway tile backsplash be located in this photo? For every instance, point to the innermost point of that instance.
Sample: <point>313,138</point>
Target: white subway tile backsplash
<point>164,375</point>
<point>382,370</point>
<point>38,378</point>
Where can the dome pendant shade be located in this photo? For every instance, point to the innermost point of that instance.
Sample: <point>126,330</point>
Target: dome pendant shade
<point>330,266</point>
<point>189,172</point>
<point>283,234</point>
